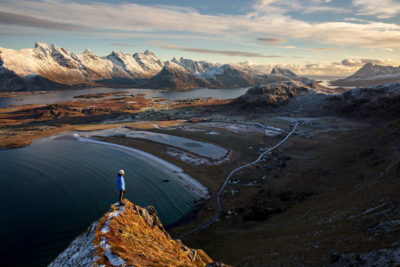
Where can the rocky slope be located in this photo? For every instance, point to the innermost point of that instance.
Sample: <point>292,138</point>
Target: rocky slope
<point>130,236</point>
<point>312,98</point>
<point>370,75</point>
<point>368,101</point>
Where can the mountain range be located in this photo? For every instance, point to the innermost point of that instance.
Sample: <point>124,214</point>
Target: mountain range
<point>51,67</point>
<point>371,75</point>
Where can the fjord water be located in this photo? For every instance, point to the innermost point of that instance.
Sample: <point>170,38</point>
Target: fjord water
<point>53,189</point>
<point>51,97</point>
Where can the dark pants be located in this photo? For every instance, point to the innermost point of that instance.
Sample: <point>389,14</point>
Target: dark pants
<point>121,196</point>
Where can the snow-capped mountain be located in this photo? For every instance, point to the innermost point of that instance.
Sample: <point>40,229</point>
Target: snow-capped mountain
<point>370,75</point>
<point>251,67</point>
<point>237,75</point>
<point>195,67</point>
<point>174,76</point>
<point>59,66</point>
<point>49,67</point>
<point>283,72</point>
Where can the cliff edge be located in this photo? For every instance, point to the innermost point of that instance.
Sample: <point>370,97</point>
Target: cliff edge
<point>130,236</point>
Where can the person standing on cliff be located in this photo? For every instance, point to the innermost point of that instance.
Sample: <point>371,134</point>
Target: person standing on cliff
<point>121,185</point>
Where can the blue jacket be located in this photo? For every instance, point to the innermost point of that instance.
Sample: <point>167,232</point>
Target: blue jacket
<point>120,182</point>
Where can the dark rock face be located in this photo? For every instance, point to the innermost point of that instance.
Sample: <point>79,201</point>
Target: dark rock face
<point>10,81</point>
<point>173,76</point>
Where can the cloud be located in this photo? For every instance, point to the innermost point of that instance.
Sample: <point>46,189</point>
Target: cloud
<point>7,18</point>
<point>271,40</point>
<point>272,19</point>
<point>323,49</point>
<point>361,61</point>
<point>266,2</point>
<point>344,68</point>
<point>122,44</point>
<point>324,69</point>
<point>382,9</point>
<point>211,51</point>
<point>302,6</point>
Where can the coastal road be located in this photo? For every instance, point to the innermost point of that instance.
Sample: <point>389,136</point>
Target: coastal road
<point>215,218</point>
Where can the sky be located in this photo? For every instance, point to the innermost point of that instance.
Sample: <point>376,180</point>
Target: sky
<point>313,37</point>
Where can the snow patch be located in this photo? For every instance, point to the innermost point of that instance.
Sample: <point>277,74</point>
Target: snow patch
<point>81,251</point>
<point>115,260</point>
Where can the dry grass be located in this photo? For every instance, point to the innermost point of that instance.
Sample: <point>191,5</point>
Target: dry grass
<point>140,244</point>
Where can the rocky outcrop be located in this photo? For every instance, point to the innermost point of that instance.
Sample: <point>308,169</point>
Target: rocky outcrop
<point>272,95</point>
<point>130,236</point>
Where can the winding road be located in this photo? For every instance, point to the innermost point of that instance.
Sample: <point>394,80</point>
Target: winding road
<point>215,218</point>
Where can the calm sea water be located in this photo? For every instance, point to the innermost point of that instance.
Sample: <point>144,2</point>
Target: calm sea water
<point>65,95</point>
<point>52,190</point>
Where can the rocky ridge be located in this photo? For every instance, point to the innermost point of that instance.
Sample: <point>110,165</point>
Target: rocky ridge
<point>273,95</point>
<point>130,236</point>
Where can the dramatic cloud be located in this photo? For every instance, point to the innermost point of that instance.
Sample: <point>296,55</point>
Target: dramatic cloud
<point>271,40</point>
<point>210,51</point>
<point>7,18</point>
<point>381,8</point>
<point>118,19</point>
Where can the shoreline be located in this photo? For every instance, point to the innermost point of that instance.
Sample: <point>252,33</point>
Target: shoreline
<point>188,182</point>
<point>165,139</point>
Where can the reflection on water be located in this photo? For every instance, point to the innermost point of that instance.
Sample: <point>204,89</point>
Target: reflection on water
<point>66,95</point>
<point>53,189</point>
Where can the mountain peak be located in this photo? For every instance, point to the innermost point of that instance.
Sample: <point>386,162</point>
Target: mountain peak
<point>283,72</point>
<point>370,75</point>
<point>88,51</point>
<point>149,53</point>
<point>117,53</point>
<point>130,235</point>
<point>40,44</point>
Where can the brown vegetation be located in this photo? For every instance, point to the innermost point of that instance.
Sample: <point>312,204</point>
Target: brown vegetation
<point>138,237</point>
